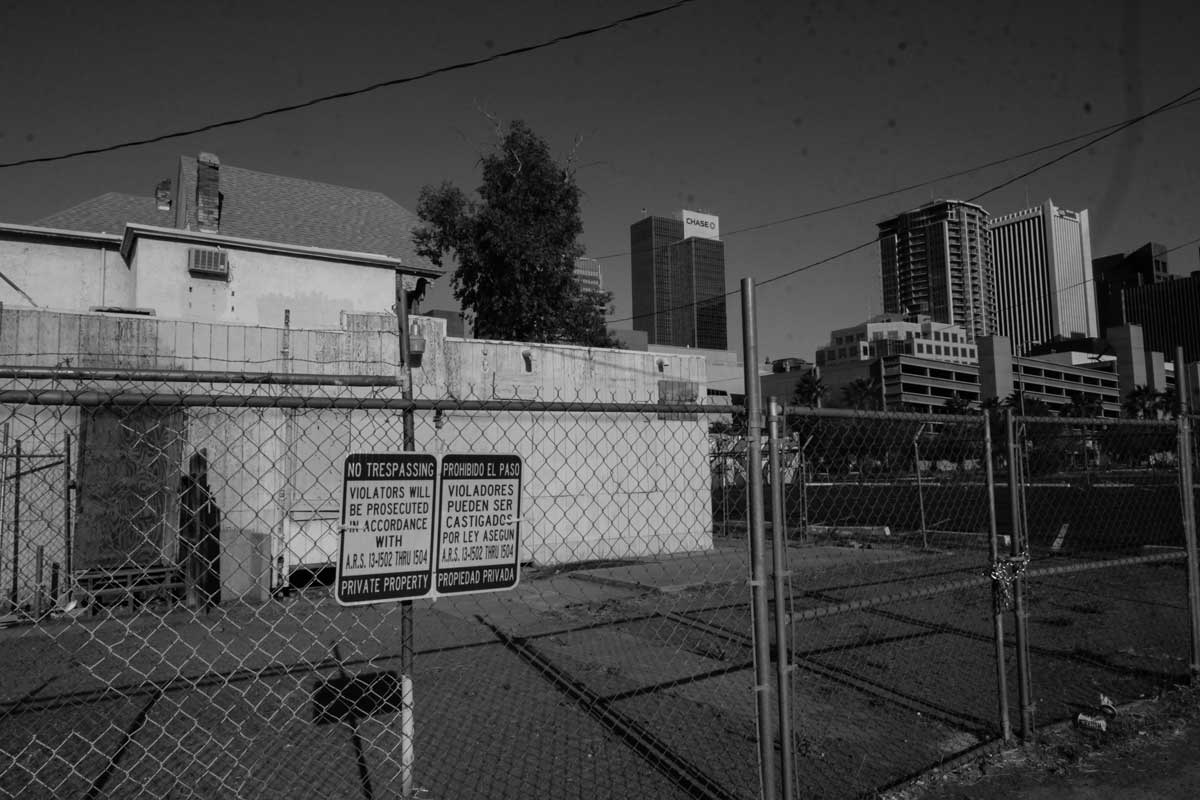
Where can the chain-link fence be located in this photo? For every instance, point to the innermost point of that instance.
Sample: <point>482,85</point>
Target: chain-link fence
<point>170,541</point>
<point>1106,600</point>
<point>893,630</point>
<point>170,550</point>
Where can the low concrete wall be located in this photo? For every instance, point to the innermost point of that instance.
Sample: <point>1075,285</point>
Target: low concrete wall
<point>599,485</point>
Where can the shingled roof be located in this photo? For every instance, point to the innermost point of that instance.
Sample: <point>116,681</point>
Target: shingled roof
<point>108,213</point>
<point>271,208</point>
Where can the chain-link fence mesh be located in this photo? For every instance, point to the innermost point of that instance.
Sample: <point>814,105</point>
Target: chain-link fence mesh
<point>169,545</point>
<point>1106,584</point>
<point>892,634</point>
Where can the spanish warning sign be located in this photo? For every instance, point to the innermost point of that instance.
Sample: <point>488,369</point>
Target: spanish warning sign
<point>479,511</point>
<point>388,515</point>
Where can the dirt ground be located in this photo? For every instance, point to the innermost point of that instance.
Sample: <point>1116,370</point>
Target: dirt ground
<point>1151,750</point>
<point>626,679</point>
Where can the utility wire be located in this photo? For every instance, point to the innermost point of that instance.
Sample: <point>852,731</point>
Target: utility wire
<point>1181,246</point>
<point>579,34</point>
<point>919,185</point>
<point>1127,124</point>
<point>1111,130</point>
<point>1085,281</point>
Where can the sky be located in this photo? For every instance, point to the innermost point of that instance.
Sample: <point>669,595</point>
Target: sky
<point>754,111</point>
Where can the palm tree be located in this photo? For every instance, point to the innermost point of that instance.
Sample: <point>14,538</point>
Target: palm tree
<point>1082,406</point>
<point>1168,404</point>
<point>862,394</point>
<point>956,405</point>
<point>1027,406</point>
<point>1142,403</point>
<point>810,390</point>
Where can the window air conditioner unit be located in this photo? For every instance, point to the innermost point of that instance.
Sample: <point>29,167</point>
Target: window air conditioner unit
<point>208,263</point>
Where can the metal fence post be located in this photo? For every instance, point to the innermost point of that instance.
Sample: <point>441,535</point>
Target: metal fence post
<point>920,485</point>
<point>804,489</point>
<point>757,544</point>
<point>783,617</point>
<point>3,490</point>
<point>68,538</point>
<point>997,605</point>
<point>407,724</point>
<point>16,534</point>
<point>1019,554</point>
<point>1188,507</point>
<point>39,578</point>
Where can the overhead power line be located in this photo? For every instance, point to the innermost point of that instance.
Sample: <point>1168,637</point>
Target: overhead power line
<point>1109,131</point>
<point>1085,281</point>
<point>285,109</point>
<point>816,212</point>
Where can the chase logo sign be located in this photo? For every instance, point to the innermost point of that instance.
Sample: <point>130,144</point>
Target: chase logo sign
<point>705,226</point>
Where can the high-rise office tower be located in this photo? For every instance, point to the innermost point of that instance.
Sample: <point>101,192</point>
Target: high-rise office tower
<point>1169,314</point>
<point>587,272</point>
<point>1044,287</point>
<point>937,260</point>
<point>1115,273</point>
<point>678,266</point>
<point>1138,288</point>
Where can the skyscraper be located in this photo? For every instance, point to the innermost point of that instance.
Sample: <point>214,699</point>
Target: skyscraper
<point>587,272</point>
<point>1115,273</point>
<point>678,267</point>
<point>1139,289</point>
<point>937,260</point>
<point>1044,287</point>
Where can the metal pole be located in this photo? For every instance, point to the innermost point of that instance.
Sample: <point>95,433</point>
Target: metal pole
<point>68,539</point>
<point>920,485</point>
<point>804,489</point>
<point>3,488</point>
<point>757,543</point>
<point>16,524</point>
<point>39,579</point>
<point>280,560</point>
<point>1188,498</point>
<point>994,554</point>
<point>1017,545</point>
<point>781,573</point>
<point>408,727</point>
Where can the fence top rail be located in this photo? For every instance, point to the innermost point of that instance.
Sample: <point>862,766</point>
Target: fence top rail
<point>1098,422</point>
<point>910,416</point>
<point>192,376</point>
<point>95,398</point>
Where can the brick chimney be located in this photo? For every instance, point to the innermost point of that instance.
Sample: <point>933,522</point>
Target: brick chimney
<point>208,193</point>
<point>162,195</point>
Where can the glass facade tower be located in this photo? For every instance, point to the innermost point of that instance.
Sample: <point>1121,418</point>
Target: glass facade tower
<point>678,285</point>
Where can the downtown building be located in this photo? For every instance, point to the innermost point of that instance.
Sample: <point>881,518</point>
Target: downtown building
<point>587,273</point>
<point>1168,313</point>
<point>1115,273</point>
<point>1138,288</point>
<point>937,260</point>
<point>678,281</point>
<point>1043,266</point>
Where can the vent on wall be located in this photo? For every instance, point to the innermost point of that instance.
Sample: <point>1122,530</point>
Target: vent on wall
<point>208,263</point>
